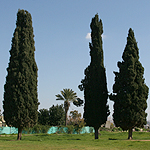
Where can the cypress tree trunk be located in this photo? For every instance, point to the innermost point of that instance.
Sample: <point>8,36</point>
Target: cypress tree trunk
<point>96,133</point>
<point>130,134</point>
<point>19,133</point>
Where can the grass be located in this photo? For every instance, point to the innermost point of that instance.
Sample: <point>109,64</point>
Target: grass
<point>106,141</point>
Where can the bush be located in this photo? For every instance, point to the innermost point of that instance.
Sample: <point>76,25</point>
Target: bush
<point>70,129</point>
<point>37,129</point>
<point>137,129</point>
<point>111,126</point>
<point>91,130</point>
<point>62,129</point>
<point>103,129</point>
<point>116,129</point>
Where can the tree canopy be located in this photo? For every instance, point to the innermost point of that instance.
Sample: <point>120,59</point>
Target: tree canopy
<point>130,91</point>
<point>55,116</point>
<point>20,90</point>
<point>94,84</point>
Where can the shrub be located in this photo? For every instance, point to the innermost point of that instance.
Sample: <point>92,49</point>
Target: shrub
<point>137,129</point>
<point>37,129</point>
<point>70,129</point>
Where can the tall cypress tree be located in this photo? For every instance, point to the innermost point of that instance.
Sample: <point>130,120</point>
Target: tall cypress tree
<point>130,91</point>
<point>94,84</point>
<point>20,90</point>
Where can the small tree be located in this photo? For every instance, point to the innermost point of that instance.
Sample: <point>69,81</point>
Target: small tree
<point>44,117</point>
<point>20,90</point>
<point>67,95</point>
<point>74,117</point>
<point>94,84</point>
<point>57,115</point>
<point>76,120</point>
<point>130,91</point>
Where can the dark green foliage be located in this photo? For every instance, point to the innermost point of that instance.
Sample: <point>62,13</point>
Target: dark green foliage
<point>78,102</point>
<point>36,129</point>
<point>40,129</point>
<point>130,91</point>
<point>20,90</point>
<point>94,84</point>
<point>55,116</point>
<point>43,117</point>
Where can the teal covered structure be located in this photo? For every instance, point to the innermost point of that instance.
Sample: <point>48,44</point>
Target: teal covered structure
<point>13,130</point>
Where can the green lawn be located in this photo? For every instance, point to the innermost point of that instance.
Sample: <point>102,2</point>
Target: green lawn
<point>106,141</point>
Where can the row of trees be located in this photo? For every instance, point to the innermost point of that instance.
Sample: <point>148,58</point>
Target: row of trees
<point>129,91</point>
<point>20,90</point>
<point>55,116</point>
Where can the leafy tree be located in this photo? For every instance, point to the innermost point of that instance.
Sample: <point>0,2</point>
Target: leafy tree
<point>20,90</point>
<point>78,102</point>
<point>130,91</point>
<point>44,117</point>
<point>76,120</point>
<point>94,84</point>
<point>57,115</point>
<point>67,95</point>
<point>53,117</point>
<point>74,117</point>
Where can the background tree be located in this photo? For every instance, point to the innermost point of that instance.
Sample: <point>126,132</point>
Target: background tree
<point>57,115</point>
<point>67,95</point>
<point>74,117</point>
<point>94,84</point>
<point>20,90</point>
<point>130,91</point>
<point>78,102</point>
<point>76,120</point>
<point>44,117</point>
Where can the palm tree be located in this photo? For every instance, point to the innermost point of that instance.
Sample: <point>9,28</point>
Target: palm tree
<point>67,95</point>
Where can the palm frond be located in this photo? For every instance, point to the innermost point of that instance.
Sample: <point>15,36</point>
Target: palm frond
<point>67,94</point>
<point>59,97</point>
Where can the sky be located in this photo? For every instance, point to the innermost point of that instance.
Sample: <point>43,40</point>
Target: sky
<point>62,30</point>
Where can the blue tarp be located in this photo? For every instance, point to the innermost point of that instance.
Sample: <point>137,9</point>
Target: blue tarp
<point>8,130</point>
<point>13,130</point>
<point>52,130</point>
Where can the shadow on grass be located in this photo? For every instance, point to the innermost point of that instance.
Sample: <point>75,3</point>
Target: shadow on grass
<point>112,139</point>
<point>73,139</point>
<point>41,135</point>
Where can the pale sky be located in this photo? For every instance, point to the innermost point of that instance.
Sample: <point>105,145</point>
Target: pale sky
<point>62,36</point>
